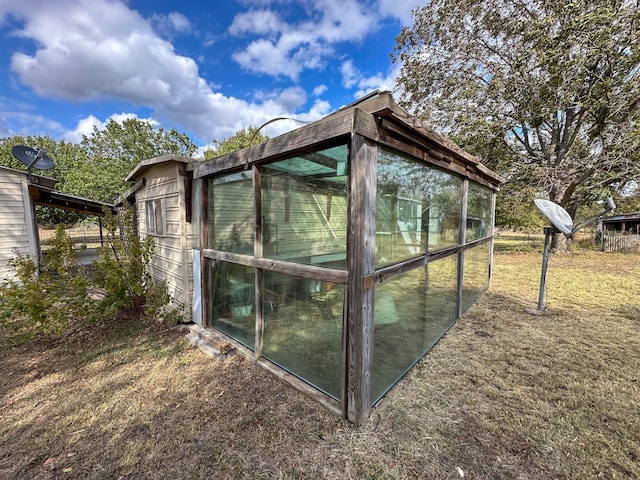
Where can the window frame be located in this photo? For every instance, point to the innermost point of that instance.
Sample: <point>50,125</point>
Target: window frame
<point>153,207</point>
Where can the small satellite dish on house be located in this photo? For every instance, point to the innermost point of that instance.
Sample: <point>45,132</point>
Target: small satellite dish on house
<point>563,223</point>
<point>32,158</point>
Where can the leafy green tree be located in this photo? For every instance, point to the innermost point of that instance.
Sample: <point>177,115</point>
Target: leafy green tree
<point>112,152</point>
<point>243,138</point>
<point>121,269</point>
<point>97,167</point>
<point>547,93</point>
<point>64,154</point>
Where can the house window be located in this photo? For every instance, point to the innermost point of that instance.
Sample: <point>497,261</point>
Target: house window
<point>155,217</point>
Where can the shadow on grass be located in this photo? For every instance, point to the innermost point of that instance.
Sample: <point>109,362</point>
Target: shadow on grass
<point>503,394</point>
<point>118,401</point>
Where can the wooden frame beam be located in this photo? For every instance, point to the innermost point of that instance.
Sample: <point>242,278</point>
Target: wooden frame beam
<point>462,236</point>
<point>360,264</point>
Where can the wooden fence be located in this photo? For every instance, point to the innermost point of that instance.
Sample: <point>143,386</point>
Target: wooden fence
<point>613,241</point>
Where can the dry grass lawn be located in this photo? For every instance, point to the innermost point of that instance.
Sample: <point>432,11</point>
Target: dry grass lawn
<point>504,395</point>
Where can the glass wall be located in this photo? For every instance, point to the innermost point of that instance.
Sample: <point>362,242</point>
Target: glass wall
<point>303,328</point>
<point>475,279</point>
<point>233,301</point>
<point>417,208</point>
<point>412,312</point>
<point>304,213</point>
<point>304,220</point>
<point>304,208</point>
<point>231,213</point>
<point>479,216</point>
<point>419,211</point>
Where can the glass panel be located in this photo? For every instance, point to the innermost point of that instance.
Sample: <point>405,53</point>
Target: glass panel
<point>417,208</point>
<point>159,224</point>
<point>233,300</point>
<point>155,224</point>
<point>479,217</point>
<point>303,328</point>
<point>304,208</point>
<point>231,213</point>
<point>411,313</point>
<point>151,217</point>
<point>476,274</point>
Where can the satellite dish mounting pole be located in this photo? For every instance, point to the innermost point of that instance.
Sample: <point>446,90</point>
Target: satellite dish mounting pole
<point>38,156</point>
<point>548,231</point>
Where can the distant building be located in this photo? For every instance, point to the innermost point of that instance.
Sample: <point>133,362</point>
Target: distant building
<point>628,222</point>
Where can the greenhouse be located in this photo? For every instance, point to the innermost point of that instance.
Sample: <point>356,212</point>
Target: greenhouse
<point>337,254</point>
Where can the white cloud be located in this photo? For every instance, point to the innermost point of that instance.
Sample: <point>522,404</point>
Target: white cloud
<point>259,22</point>
<point>292,98</point>
<point>319,110</point>
<point>400,9</point>
<point>100,49</point>
<point>180,22</point>
<point>352,77</point>
<point>291,47</point>
<point>86,125</point>
<point>171,23</point>
<point>319,90</point>
<point>349,74</point>
<point>86,50</point>
<point>23,123</point>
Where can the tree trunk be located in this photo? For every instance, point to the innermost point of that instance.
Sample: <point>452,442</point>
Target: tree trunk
<point>560,243</point>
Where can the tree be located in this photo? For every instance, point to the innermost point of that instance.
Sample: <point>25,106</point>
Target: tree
<point>64,155</point>
<point>545,92</point>
<point>112,152</point>
<point>97,167</point>
<point>243,138</point>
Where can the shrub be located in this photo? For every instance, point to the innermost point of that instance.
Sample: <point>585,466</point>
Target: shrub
<point>47,301</point>
<point>121,270</point>
<point>44,301</point>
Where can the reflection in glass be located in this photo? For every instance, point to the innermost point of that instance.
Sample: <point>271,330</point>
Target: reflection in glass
<point>417,208</point>
<point>231,213</point>
<point>303,328</point>
<point>411,313</point>
<point>233,301</point>
<point>304,208</point>
<point>479,219</point>
<point>475,279</point>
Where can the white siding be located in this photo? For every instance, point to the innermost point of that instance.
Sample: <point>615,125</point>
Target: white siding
<point>17,233</point>
<point>170,262</point>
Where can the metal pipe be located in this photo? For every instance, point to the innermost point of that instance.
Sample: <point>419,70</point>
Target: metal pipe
<point>545,260</point>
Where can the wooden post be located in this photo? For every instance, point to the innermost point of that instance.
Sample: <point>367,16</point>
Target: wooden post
<point>257,252</point>
<point>184,239</point>
<point>492,233</point>
<point>423,287</point>
<point>360,264</point>
<point>462,235</point>
<point>205,268</point>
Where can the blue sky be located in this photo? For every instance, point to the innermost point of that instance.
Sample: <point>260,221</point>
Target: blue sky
<point>207,69</point>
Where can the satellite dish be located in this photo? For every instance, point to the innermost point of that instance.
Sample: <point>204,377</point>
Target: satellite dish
<point>32,158</point>
<point>561,221</point>
<point>557,215</point>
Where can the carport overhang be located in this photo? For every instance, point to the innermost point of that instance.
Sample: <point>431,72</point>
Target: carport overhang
<point>42,193</point>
